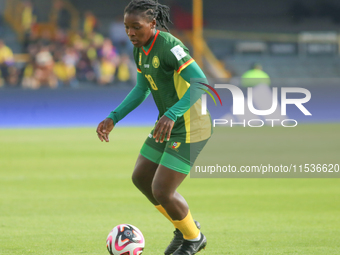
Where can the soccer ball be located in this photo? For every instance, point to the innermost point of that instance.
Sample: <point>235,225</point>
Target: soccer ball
<point>125,239</point>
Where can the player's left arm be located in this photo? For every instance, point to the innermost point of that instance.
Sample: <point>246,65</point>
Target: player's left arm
<point>191,73</point>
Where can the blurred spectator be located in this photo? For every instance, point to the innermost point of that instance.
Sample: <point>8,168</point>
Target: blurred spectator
<point>95,45</point>
<point>6,54</point>
<point>33,49</point>
<point>262,96</point>
<point>65,73</point>
<point>61,37</point>
<point>63,16</point>
<point>28,80</point>
<point>6,60</point>
<point>90,23</point>
<point>106,71</point>
<point>59,59</point>
<point>43,74</point>
<point>106,68</point>
<point>97,40</point>
<point>92,54</point>
<point>65,69</point>
<point>33,39</point>
<point>13,76</point>
<point>46,38</point>
<point>84,70</point>
<point>108,51</point>
<point>126,70</point>
<point>78,42</point>
<point>28,19</point>
<point>255,76</point>
<point>70,57</point>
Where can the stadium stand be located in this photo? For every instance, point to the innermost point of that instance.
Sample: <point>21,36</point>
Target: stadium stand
<point>238,34</point>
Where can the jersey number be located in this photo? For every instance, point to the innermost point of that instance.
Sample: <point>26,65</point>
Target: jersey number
<point>151,81</point>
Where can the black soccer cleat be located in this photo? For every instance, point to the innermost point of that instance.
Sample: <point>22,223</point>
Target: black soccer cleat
<point>177,241</point>
<point>191,247</point>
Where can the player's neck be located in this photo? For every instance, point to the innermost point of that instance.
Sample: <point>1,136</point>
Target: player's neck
<point>148,44</point>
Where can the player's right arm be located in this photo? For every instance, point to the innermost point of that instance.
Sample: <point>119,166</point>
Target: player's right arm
<point>136,96</point>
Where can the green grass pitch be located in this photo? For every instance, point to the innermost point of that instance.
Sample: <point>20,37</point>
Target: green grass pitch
<point>62,191</point>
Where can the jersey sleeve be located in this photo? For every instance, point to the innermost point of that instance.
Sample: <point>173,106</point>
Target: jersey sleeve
<point>177,57</point>
<point>196,89</point>
<point>136,96</point>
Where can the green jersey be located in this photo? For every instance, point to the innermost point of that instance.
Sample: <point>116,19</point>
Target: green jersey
<point>161,65</point>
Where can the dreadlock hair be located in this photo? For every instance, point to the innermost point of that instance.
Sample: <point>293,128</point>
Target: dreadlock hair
<point>152,9</point>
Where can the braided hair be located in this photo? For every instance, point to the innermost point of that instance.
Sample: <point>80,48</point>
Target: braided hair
<point>152,9</point>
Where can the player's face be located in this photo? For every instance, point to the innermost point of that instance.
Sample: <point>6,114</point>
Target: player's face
<point>139,29</point>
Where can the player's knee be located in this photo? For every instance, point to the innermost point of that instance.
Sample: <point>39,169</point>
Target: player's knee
<point>136,179</point>
<point>141,182</point>
<point>161,195</point>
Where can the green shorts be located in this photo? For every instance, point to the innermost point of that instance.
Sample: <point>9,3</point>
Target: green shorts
<point>174,154</point>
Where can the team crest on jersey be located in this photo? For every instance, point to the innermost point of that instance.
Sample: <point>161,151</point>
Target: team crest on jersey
<point>140,59</point>
<point>155,62</point>
<point>175,145</point>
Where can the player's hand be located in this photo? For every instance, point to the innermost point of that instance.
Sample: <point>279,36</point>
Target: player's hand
<point>104,128</point>
<point>163,128</point>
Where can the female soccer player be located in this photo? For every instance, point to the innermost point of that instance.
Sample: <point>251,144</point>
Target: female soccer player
<point>164,68</point>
